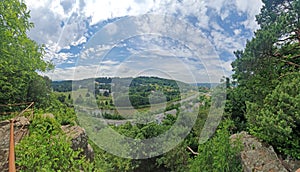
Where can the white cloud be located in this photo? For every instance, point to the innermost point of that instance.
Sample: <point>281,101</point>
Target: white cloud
<point>60,24</point>
<point>79,41</point>
<point>116,8</point>
<point>61,74</point>
<point>227,66</point>
<point>237,31</point>
<point>251,8</point>
<point>33,4</point>
<point>109,62</point>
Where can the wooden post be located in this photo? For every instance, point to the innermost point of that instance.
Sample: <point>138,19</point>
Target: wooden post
<point>11,160</point>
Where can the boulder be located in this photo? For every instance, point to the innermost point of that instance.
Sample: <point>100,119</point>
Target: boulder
<point>257,156</point>
<point>79,140</point>
<point>292,165</point>
<point>21,129</point>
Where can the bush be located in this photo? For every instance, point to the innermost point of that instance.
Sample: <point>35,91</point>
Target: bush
<point>63,113</point>
<point>47,149</point>
<point>218,154</point>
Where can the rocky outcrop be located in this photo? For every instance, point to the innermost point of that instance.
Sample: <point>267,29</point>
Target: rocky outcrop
<point>79,140</point>
<point>77,135</point>
<point>258,157</point>
<point>292,165</point>
<point>21,129</point>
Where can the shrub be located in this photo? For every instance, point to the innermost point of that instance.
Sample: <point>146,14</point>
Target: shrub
<point>47,149</point>
<point>218,154</point>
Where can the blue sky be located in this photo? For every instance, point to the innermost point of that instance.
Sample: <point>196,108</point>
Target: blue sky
<point>188,40</point>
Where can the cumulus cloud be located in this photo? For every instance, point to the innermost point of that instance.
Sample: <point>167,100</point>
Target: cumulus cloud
<point>224,25</point>
<point>57,24</point>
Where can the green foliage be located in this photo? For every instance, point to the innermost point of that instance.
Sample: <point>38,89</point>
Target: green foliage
<point>20,57</point>
<point>47,149</point>
<point>277,121</point>
<point>264,72</point>
<point>177,159</point>
<point>273,52</point>
<point>61,86</point>
<point>142,87</point>
<point>218,154</point>
<point>172,106</point>
<point>106,94</point>
<point>235,107</point>
<point>39,91</point>
<point>63,113</point>
<point>106,162</point>
<point>112,116</point>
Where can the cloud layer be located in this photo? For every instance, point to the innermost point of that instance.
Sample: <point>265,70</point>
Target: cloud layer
<point>66,27</point>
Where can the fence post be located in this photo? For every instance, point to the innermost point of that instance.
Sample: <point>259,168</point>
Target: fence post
<point>11,160</point>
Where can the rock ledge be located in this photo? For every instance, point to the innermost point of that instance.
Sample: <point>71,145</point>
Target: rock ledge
<point>256,156</point>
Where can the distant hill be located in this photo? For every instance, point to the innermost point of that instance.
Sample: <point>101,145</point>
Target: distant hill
<point>206,85</point>
<point>140,91</point>
<point>65,86</point>
<point>61,86</point>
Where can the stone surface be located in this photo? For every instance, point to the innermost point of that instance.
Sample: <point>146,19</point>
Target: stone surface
<point>21,126</point>
<point>79,140</point>
<point>258,157</point>
<point>292,165</point>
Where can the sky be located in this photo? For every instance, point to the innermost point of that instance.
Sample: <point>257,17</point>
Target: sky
<point>187,40</point>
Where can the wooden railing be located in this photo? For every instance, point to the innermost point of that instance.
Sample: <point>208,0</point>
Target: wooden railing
<point>10,113</point>
<point>11,157</point>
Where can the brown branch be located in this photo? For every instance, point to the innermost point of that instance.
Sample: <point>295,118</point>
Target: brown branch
<point>16,104</point>
<point>193,152</point>
<point>29,106</point>
<point>291,63</point>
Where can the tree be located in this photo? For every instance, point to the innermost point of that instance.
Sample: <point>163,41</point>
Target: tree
<point>39,91</point>
<point>62,98</point>
<point>263,70</point>
<point>272,52</point>
<point>20,57</point>
<point>278,120</point>
<point>106,94</point>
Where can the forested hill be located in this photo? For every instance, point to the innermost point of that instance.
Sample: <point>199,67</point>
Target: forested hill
<point>66,86</point>
<point>138,89</point>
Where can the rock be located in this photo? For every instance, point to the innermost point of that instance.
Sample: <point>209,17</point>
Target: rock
<point>256,156</point>
<point>79,140</point>
<point>292,165</point>
<point>21,129</point>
